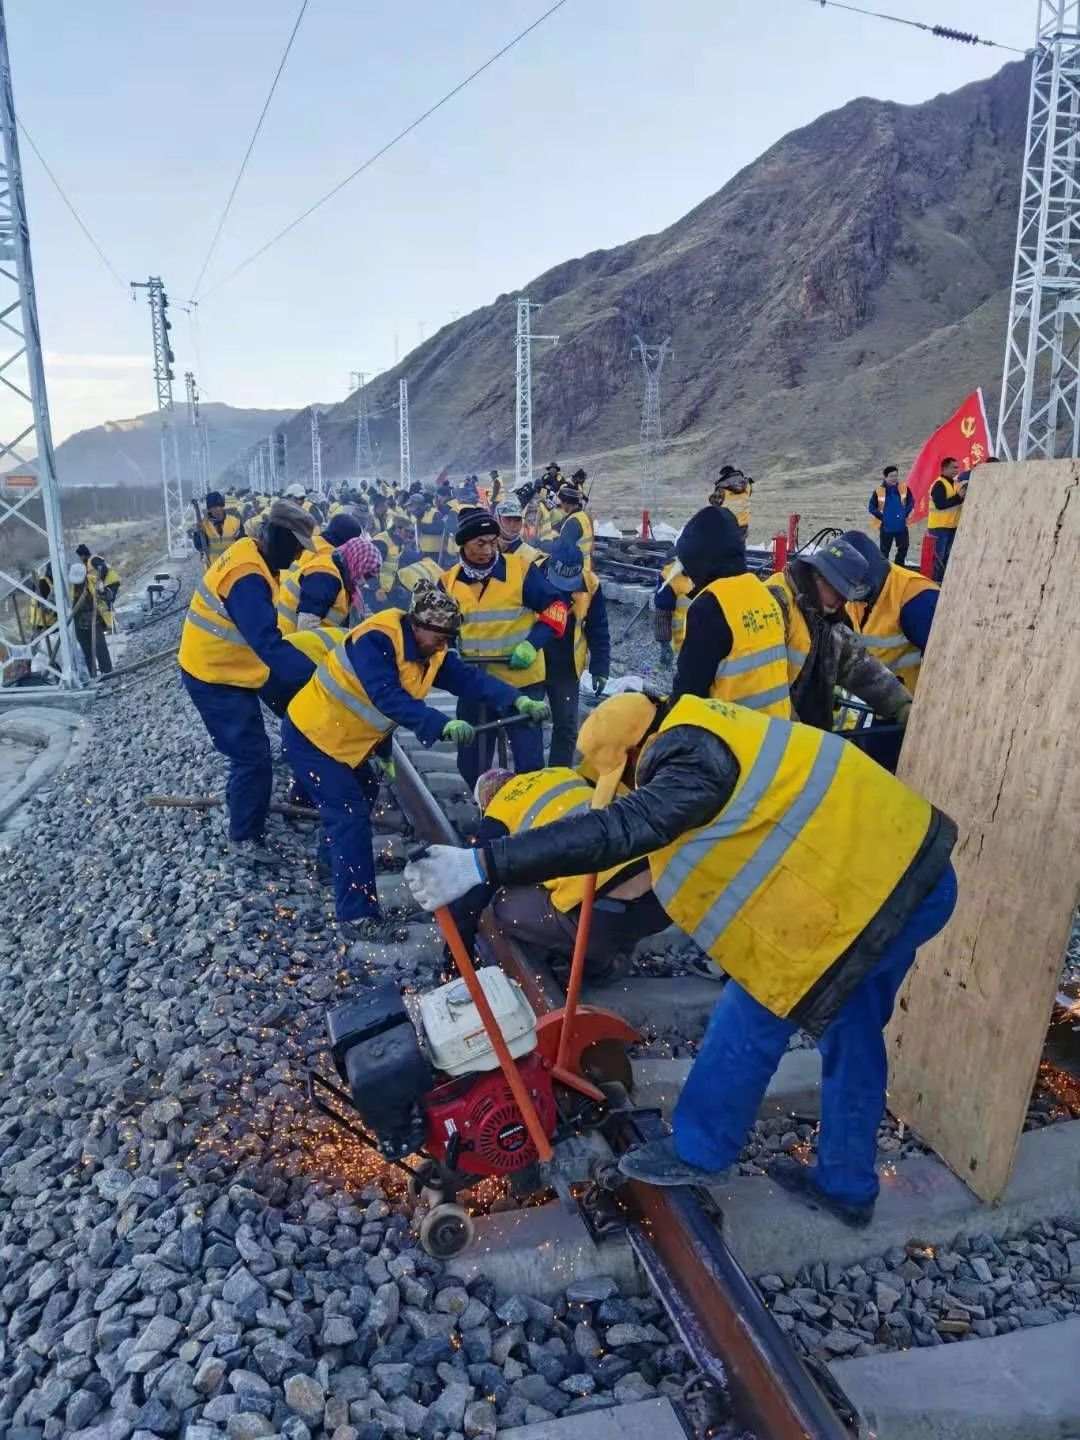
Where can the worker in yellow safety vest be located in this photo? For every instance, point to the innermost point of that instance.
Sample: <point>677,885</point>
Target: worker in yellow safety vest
<point>377,679</point>
<point>584,640</point>
<point>824,656</point>
<point>947,496</point>
<point>508,614</point>
<point>219,527</point>
<point>670,605</point>
<point>734,647</point>
<point>314,590</point>
<point>733,490</point>
<point>230,647</point>
<point>430,527</point>
<point>103,582</point>
<point>809,874</point>
<point>890,507</point>
<point>545,916</point>
<point>42,607</point>
<point>392,544</point>
<point>577,526</point>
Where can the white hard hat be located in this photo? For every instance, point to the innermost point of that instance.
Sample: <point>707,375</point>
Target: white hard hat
<point>296,492</point>
<point>76,572</point>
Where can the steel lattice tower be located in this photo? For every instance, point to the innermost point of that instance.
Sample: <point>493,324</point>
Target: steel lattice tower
<point>279,461</point>
<point>523,461</point>
<point>365,457</point>
<point>176,536</point>
<point>1040,390</point>
<point>403,434</point>
<point>316,455</point>
<point>652,362</point>
<point>200,447</point>
<point>22,372</point>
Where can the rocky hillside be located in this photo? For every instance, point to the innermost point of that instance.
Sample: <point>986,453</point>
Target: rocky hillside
<point>127,452</point>
<point>827,307</point>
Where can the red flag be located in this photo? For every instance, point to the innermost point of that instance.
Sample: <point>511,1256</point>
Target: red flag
<point>965,436</point>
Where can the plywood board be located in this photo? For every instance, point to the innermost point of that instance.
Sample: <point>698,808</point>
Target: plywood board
<point>994,741</point>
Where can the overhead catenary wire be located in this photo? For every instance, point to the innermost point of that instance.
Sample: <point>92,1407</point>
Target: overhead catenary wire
<point>74,213</point>
<point>384,149</point>
<point>941,32</point>
<point>250,148</point>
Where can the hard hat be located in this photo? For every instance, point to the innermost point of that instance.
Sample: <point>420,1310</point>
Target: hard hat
<point>295,491</point>
<point>76,573</point>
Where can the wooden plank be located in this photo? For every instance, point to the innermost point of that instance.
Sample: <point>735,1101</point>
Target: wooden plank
<point>993,742</point>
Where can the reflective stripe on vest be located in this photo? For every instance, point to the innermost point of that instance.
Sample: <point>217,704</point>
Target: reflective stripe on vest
<point>212,649</point>
<point>318,562</point>
<point>216,544</point>
<point>879,496</point>
<point>943,519</point>
<point>879,631</point>
<point>335,712</point>
<point>540,797</point>
<point>755,672</point>
<point>495,618</point>
<point>807,851</point>
<point>582,600</point>
<point>423,569</point>
<point>680,585</point>
<point>316,644</point>
<point>796,631</point>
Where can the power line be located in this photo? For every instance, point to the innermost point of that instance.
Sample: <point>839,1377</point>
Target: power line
<point>942,32</point>
<point>413,125</point>
<point>77,217</point>
<point>250,148</point>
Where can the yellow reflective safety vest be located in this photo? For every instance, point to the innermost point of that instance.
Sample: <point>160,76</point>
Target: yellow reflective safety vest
<point>215,544</point>
<point>944,519</point>
<point>806,852</point>
<point>423,569</point>
<point>754,673</point>
<point>548,521</point>
<point>211,647</point>
<point>316,644</point>
<point>429,534</point>
<point>529,553</point>
<point>495,618</point>
<point>389,567</point>
<point>581,601</point>
<point>97,587</point>
<point>878,626</point>
<point>879,495</point>
<point>42,612</point>
<point>796,632</point>
<point>680,585</point>
<point>319,561</point>
<point>585,544</point>
<point>539,797</point>
<point>334,710</point>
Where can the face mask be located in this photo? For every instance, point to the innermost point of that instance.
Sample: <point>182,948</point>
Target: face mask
<point>281,547</point>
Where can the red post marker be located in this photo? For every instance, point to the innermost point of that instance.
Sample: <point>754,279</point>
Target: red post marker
<point>779,551</point>
<point>792,532</point>
<point>646,525</point>
<point>926,556</point>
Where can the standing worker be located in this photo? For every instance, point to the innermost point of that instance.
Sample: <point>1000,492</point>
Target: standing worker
<point>577,526</point>
<point>735,646</point>
<point>89,632</point>
<point>504,607</point>
<point>315,589</point>
<point>391,543</point>
<point>585,639</point>
<point>511,517</point>
<point>946,498</point>
<point>890,507</point>
<point>377,679</point>
<point>823,655</point>
<point>808,873</point>
<point>229,647</point>
<point>102,584</point>
<point>670,604</point>
<point>218,528</point>
<point>734,490</point>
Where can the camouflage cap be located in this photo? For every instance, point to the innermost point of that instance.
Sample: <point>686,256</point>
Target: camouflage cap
<point>434,609</point>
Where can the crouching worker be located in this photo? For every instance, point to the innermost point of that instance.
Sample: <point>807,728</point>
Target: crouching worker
<point>376,679</point>
<point>808,872</point>
<point>546,915</point>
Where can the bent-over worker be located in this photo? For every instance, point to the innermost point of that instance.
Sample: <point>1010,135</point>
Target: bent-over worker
<point>810,874</point>
<point>315,590</point>
<point>378,678</point>
<point>229,647</point>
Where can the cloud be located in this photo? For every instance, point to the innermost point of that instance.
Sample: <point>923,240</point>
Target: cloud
<point>61,361</point>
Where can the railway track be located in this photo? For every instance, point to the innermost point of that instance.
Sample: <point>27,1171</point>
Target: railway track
<point>674,1235</point>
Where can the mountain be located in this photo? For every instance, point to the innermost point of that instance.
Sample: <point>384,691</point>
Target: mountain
<point>128,452</point>
<point>828,307</point>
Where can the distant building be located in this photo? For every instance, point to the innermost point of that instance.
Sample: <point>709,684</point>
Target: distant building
<point>19,480</point>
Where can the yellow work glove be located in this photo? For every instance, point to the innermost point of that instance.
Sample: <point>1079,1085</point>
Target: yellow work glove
<point>459,731</point>
<point>522,656</point>
<point>535,710</point>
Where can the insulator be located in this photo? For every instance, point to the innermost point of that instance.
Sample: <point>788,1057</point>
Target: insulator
<point>946,32</point>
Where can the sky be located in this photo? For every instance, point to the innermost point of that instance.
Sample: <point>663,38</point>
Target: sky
<point>610,121</point>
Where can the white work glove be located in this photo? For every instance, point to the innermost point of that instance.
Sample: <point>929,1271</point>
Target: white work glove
<point>444,874</point>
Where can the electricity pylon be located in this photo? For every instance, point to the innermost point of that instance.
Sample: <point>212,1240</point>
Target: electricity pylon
<point>652,362</point>
<point>523,343</point>
<point>177,541</point>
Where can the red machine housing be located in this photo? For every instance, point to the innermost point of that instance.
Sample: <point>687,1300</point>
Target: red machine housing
<point>480,1110</point>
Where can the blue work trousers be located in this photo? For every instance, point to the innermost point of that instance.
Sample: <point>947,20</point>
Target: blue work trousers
<point>745,1043</point>
<point>526,741</point>
<point>343,797</point>
<point>234,720</point>
<point>943,543</point>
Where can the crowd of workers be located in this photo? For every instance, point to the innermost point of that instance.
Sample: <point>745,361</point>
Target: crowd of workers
<point>750,805</point>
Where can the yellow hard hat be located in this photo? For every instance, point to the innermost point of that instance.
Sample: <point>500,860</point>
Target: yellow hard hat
<point>609,734</point>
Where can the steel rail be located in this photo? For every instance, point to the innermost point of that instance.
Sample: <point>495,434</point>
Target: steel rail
<point>712,1303</point>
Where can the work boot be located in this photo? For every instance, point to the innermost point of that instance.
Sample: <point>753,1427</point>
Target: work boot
<point>801,1181</point>
<point>373,930</point>
<point>657,1162</point>
<point>257,854</point>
